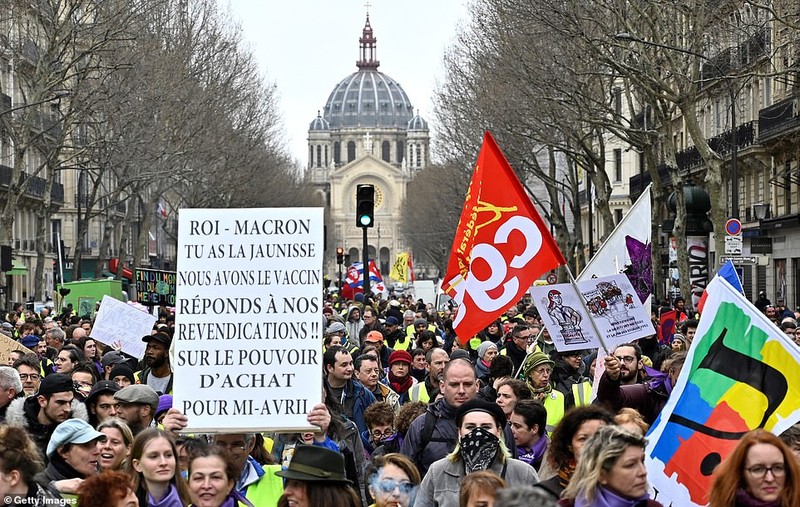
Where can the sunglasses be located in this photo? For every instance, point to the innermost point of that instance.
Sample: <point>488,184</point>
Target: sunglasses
<point>389,485</point>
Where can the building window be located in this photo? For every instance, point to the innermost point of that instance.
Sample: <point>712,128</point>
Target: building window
<point>310,156</point>
<point>385,155</point>
<point>326,155</point>
<point>617,165</point>
<point>337,152</point>
<point>319,155</point>
<point>617,216</point>
<point>351,151</point>
<point>419,156</point>
<point>400,152</point>
<point>618,102</point>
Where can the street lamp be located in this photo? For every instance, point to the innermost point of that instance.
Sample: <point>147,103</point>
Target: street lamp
<point>625,36</point>
<point>57,95</point>
<point>760,211</point>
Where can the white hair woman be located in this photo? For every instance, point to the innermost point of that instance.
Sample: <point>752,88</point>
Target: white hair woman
<point>610,471</point>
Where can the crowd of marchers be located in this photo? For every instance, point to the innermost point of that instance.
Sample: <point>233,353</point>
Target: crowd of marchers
<point>411,416</point>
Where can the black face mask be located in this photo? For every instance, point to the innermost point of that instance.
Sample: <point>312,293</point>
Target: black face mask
<point>479,449</point>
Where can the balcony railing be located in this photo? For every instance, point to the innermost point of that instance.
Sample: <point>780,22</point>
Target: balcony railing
<point>722,144</point>
<point>729,60</point>
<point>779,119</point>
<point>34,186</point>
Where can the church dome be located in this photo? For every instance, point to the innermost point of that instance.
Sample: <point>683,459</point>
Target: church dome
<point>417,123</point>
<point>368,98</point>
<point>319,123</point>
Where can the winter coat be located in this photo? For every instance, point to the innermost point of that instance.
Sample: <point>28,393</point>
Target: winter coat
<point>24,412</point>
<point>442,441</point>
<point>353,327</point>
<point>442,483</point>
<point>646,400</point>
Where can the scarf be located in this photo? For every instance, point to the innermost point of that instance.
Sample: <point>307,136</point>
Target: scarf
<point>745,499</point>
<point>171,499</point>
<point>539,393</point>
<point>658,379</point>
<point>400,384</point>
<point>607,498</point>
<point>535,452</point>
<point>479,448</point>
<point>565,473</point>
<point>234,497</point>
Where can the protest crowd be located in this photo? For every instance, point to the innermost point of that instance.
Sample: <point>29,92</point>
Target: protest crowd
<point>412,415</point>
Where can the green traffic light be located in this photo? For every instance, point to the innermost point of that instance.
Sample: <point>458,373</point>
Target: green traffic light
<point>365,220</point>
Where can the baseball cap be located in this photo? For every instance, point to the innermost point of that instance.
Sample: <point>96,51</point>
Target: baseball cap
<point>336,327</point>
<point>103,386</point>
<point>392,321</point>
<point>72,431</point>
<point>139,394</point>
<point>158,337</point>
<point>374,336</point>
<point>112,357</point>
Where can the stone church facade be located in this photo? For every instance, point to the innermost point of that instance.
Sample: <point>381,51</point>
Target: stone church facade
<point>367,133</point>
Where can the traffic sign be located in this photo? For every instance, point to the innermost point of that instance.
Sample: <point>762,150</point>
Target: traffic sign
<point>739,259</point>
<point>733,227</point>
<point>733,245</point>
<point>552,278</point>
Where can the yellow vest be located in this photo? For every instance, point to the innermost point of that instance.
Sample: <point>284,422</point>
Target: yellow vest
<point>554,404</point>
<point>419,392</point>
<point>267,490</point>
<point>582,393</point>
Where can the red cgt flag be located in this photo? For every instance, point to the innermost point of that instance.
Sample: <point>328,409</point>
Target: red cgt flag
<point>501,245</point>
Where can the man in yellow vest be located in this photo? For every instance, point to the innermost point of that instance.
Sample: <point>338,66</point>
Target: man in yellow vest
<point>427,391</point>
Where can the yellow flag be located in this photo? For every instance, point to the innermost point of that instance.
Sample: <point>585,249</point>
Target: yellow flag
<point>400,268</point>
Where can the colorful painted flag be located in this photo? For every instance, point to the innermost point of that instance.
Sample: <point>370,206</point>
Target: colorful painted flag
<point>500,247</point>
<point>666,327</point>
<point>627,249</point>
<point>728,272</point>
<point>161,210</point>
<point>411,267</point>
<point>741,373</point>
<point>354,281</point>
<point>399,270</point>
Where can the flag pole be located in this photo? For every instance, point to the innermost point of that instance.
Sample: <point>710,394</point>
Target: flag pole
<point>586,309</point>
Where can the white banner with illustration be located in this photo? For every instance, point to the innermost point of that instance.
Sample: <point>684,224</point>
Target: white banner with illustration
<point>568,310</point>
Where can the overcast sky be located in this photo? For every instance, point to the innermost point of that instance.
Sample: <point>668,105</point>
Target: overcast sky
<point>307,46</point>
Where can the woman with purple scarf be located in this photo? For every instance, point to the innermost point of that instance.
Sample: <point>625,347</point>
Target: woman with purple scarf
<point>610,472</point>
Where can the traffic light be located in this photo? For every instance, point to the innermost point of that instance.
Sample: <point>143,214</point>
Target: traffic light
<point>6,258</point>
<point>339,255</point>
<point>365,206</point>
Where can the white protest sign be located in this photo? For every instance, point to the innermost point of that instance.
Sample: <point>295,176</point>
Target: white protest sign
<point>564,316</point>
<point>248,318</point>
<point>617,312</point>
<point>120,322</point>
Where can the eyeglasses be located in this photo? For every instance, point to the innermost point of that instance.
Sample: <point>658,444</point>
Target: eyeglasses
<point>543,371</point>
<point>760,471</point>
<point>29,376</point>
<point>626,359</point>
<point>389,485</point>
<point>386,433</point>
<point>237,448</point>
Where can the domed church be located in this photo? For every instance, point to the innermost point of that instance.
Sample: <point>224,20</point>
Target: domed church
<point>367,133</point>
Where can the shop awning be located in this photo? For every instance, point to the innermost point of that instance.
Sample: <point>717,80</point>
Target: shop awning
<point>17,269</point>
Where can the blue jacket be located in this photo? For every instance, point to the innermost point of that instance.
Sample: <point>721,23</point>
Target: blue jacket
<point>359,396</point>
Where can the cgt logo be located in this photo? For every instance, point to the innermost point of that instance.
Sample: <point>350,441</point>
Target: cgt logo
<point>492,283</point>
